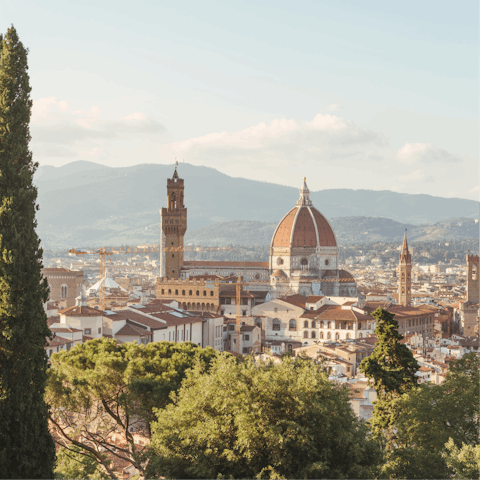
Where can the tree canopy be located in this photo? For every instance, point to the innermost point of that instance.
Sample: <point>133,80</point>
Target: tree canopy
<point>102,394</point>
<point>391,368</point>
<point>26,446</point>
<point>242,420</point>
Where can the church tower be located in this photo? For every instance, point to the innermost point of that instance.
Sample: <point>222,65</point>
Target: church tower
<point>174,226</point>
<point>405,275</point>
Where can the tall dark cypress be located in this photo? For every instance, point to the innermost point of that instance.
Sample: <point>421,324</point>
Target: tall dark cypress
<point>26,447</point>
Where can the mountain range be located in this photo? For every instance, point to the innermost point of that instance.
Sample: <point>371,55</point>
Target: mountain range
<point>84,203</point>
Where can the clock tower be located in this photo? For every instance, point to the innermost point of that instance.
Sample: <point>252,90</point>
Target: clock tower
<point>174,225</point>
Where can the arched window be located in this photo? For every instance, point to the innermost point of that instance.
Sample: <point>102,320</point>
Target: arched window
<point>183,292</point>
<point>304,262</point>
<point>322,324</point>
<point>63,291</point>
<point>211,293</point>
<point>313,335</point>
<point>169,291</point>
<point>337,336</point>
<point>305,334</point>
<point>305,324</point>
<point>276,324</point>
<point>313,324</point>
<point>329,325</point>
<point>321,335</point>
<point>204,293</point>
<point>176,292</point>
<point>329,336</point>
<point>190,292</point>
<point>163,291</point>
<point>292,324</point>
<point>198,293</point>
<point>289,347</point>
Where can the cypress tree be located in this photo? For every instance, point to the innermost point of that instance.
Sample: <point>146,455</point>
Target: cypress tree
<point>27,449</point>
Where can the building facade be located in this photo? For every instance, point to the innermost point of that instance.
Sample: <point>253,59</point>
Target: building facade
<point>65,285</point>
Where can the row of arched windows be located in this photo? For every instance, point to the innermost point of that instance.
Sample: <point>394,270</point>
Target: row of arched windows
<point>190,293</point>
<point>328,337</point>
<point>198,307</point>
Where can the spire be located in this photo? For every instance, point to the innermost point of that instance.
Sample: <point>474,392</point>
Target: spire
<point>405,256</point>
<point>304,194</point>
<point>175,174</point>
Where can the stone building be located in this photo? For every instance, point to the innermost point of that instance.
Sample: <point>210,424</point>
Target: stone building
<point>466,315</point>
<point>303,259</point>
<point>65,285</point>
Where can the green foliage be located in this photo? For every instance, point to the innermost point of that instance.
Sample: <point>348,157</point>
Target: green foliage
<point>26,447</point>
<point>100,388</point>
<point>433,416</point>
<point>391,368</point>
<point>242,420</point>
<point>73,463</point>
<point>463,462</point>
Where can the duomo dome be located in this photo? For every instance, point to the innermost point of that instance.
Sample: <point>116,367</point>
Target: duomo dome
<point>304,252</point>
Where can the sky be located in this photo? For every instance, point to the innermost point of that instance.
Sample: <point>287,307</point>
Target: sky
<point>372,94</point>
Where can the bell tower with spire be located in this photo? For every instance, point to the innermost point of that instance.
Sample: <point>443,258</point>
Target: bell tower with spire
<point>405,275</point>
<point>174,226</point>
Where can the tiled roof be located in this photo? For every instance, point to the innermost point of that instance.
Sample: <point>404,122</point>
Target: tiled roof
<point>171,320</point>
<point>401,311</point>
<point>215,264</point>
<point>58,341</point>
<point>304,232</point>
<point>65,330</point>
<point>297,300</point>
<point>136,317</point>
<point>247,328</point>
<point>130,330</point>
<point>314,298</point>
<point>81,312</point>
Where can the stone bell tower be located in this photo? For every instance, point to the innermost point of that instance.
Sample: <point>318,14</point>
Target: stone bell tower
<point>405,275</point>
<point>174,226</point>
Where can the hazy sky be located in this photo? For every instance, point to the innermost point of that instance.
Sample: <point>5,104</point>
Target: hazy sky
<point>355,94</point>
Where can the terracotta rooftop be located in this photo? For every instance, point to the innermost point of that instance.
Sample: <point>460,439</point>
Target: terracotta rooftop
<point>131,330</point>
<point>297,300</point>
<point>81,312</point>
<point>215,264</point>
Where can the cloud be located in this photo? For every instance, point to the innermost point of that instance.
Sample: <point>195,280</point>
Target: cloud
<point>284,141</point>
<point>333,107</point>
<point>54,124</point>
<point>425,153</point>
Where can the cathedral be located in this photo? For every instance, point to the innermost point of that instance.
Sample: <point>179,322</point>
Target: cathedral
<point>303,259</point>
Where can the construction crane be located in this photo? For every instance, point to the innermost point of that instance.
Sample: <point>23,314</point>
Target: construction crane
<point>104,252</point>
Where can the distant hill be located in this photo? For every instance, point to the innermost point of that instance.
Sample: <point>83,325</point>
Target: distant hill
<point>86,203</point>
<point>347,229</point>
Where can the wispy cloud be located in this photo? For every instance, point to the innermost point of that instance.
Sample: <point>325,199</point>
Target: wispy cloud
<point>425,153</point>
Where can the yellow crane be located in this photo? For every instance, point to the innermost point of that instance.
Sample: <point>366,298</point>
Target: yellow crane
<point>104,252</point>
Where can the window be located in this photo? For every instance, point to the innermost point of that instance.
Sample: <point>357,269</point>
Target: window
<point>329,325</point>
<point>314,335</point>
<point>247,337</point>
<point>279,261</point>
<point>99,330</point>
<point>231,327</point>
<point>292,324</point>
<point>211,293</point>
<point>244,301</point>
<point>204,293</point>
<point>276,324</point>
<point>176,292</point>
<point>173,255</point>
<point>244,313</point>
<point>169,291</point>
<point>305,324</point>
<point>304,262</point>
<point>183,292</point>
<point>258,322</point>
<point>329,336</point>
<point>190,292</point>
<point>313,324</point>
<point>222,312</point>
<point>163,291</point>
<point>305,334</point>
<point>360,335</point>
<point>326,262</point>
<point>321,335</point>
<point>88,331</point>
<point>64,291</point>
<point>198,293</point>
<point>348,335</point>
<point>337,336</point>
<point>322,324</point>
<point>245,350</point>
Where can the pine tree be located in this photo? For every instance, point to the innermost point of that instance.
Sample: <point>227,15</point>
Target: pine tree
<point>26,447</point>
<point>391,368</point>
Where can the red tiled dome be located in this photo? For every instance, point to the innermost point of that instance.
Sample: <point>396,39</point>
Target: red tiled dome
<point>297,229</point>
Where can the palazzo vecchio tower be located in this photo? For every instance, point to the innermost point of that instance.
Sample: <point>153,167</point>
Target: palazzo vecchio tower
<point>174,226</point>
